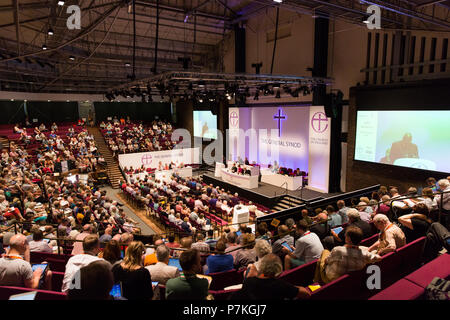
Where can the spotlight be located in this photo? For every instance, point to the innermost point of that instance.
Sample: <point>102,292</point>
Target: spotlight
<point>50,32</point>
<point>190,87</point>
<point>61,3</point>
<point>72,58</point>
<point>127,64</point>
<point>278,95</point>
<point>201,84</point>
<point>44,47</point>
<point>278,1</point>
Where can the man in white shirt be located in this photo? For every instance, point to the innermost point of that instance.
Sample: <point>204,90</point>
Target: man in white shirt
<point>307,248</point>
<point>91,247</point>
<point>161,271</point>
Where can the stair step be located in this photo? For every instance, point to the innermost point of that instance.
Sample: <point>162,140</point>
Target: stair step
<point>283,205</point>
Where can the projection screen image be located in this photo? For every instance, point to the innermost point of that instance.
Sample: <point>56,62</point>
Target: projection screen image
<point>205,124</point>
<point>415,139</point>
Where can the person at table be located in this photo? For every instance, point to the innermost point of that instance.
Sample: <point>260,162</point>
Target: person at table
<point>234,168</point>
<point>247,172</point>
<point>275,167</point>
<point>246,162</point>
<point>240,170</point>
<point>240,161</point>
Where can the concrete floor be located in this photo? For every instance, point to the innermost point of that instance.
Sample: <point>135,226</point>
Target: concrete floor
<point>145,229</point>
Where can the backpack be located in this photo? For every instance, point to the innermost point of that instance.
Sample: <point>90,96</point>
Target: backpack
<point>438,289</point>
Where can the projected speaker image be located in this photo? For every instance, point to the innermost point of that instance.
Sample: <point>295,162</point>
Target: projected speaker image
<point>415,139</point>
<point>205,124</point>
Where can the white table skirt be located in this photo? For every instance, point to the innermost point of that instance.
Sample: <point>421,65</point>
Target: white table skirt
<point>249,182</point>
<point>275,179</point>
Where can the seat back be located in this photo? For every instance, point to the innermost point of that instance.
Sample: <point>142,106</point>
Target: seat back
<point>411,255</point>
<point>346,287</point>
<point>300,276</point>
<point>221,280</point>
<point>369,241</point>
<point>222,294</point>
<point>57,280</point>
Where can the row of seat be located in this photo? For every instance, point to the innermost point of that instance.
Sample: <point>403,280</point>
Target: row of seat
<point>413,286</point>
<point>350,286</point>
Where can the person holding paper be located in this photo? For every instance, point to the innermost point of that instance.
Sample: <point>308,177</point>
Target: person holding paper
<point>391,236</point>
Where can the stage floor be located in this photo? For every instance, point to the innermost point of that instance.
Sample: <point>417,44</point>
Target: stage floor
<point>273,191</point>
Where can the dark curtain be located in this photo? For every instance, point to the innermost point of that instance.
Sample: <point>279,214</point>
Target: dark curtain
<point>49,112</point>
<point>12,112</point>
<point>145,111</point>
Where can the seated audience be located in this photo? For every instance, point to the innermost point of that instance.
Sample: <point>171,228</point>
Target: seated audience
<point>307,248</point>
<point>220,261</point>
<point>188,286</point>
<point>266,286</point>
<point>346,258</point>
<point>161,272</point>
<point>91,248</point>
<point>391,237</point>
<point>135,279</point>
<point>96,282</point>
<point>15,268</point>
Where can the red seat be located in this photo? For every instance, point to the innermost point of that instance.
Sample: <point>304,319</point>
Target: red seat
<point>221,280</point>
<point>439,267</point>
<point>411,255</point>
<point>400,290</point>
<point>300,276</point>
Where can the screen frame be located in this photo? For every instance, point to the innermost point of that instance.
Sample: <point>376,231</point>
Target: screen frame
<point>193,124</point>
<point>385,165</point>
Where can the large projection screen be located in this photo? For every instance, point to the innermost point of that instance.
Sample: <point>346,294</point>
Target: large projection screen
<point>205,125</point>
<point>411,138</point>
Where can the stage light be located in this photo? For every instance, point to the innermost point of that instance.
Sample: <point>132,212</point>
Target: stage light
<point>72,58</point>
<point>201,84</point>
<point>44,47</point>
<point>278,95</point>
<point>61,3</point>
<point>127,64</point>
<point>278,1</point>
<point>50,32</point>
<point>200,100</point>
<point>229,97</point>
<point>186,18</point>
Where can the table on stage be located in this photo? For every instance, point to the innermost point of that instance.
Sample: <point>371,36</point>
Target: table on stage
<point>249,182</point>
<point>280,180</point>
<point>219,167</point>
<point>253,169</point>
<point>165,175</point>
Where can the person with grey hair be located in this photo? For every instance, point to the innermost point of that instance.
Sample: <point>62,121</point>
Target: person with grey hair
<point>161,271</point>
<point>266,286</point>
<point>391,236</point>
<point>354,219</point>
<point>262,248</point>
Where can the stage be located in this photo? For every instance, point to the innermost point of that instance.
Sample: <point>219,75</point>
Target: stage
<point>265,194</point>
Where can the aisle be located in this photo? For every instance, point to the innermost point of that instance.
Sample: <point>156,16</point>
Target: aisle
<point>145,229</point>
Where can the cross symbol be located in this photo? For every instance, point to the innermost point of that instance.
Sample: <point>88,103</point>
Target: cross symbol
<point>319,119</point>
<point>234,118</point>
<point>279,117</point>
